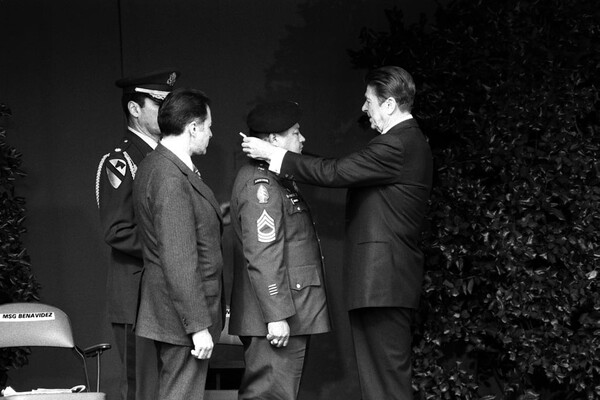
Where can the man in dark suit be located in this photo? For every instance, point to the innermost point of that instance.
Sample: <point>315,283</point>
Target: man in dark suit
<point>142,95</point>
<point>388,183</point>
<point>181,306</point>
<point>278,297</point>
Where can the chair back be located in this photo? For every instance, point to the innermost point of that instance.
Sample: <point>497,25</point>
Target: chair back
<point>34,324</point>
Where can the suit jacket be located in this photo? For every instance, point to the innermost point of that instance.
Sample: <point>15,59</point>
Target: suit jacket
<point>114,186</point>
<point>181,226</point>
<point>388,183</point>
<point>278,268</point>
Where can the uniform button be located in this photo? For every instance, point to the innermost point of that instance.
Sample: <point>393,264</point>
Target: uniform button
<point>298,286</point>
<point>298,208</point>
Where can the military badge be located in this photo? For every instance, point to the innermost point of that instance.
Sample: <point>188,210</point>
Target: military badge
<point>262,194</point>
<point>172,78</point>
<point>116,170</point>
<point>265,227</point>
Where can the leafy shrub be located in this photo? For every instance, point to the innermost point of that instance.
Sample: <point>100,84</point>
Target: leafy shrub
<point>508,93</point>
<point>16,279</point>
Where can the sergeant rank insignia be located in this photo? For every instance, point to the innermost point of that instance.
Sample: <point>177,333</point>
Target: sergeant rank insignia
<point>265,227</point>
<point>116,170</point>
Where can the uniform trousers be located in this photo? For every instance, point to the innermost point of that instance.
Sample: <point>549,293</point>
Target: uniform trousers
<point>181,376</point>
<point>383,345</point>
<point>139,371</point>
<point>272,373</point>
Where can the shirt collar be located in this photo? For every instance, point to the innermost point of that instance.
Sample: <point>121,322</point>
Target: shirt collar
<point>145,138</point>
<point>401,118</point>
<point>183,156</point>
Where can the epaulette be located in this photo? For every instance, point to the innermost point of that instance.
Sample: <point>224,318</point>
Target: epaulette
<point>262,166</point>
<point>123,146</point>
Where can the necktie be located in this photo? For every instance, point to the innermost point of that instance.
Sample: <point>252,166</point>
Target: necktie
<point>197,173</point>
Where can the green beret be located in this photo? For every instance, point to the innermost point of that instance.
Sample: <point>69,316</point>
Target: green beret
<point>157,84</point>
<point>274,117</point>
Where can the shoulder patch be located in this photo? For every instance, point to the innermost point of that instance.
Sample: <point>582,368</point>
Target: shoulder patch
<point>116,168</point>
<point>262,180</point>
<point>262,194</point>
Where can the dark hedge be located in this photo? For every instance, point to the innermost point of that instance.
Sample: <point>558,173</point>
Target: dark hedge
<point>508,94</point>
<point>17,282</point>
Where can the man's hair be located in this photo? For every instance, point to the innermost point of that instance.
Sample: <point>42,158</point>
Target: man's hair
<point>395,82</point>
<point>181,107</point>
<point>139,98</point>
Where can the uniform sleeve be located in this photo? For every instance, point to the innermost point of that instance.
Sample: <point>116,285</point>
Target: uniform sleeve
<point>115,203</point>
<point>380,163</point>
<point>261,216</point>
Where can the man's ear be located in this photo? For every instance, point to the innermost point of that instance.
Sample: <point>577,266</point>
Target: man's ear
<point>391,105</point>
<point>190,128</point>
<point>134,108</point>
<point>272,138</point>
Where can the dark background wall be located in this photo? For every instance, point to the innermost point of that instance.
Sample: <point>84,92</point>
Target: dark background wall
<point>58,63</point>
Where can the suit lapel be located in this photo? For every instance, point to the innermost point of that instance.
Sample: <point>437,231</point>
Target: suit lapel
<point>204,191</point>
<point>194,180</point>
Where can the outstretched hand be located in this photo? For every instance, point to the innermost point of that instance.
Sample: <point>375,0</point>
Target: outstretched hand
<point>257,148</point>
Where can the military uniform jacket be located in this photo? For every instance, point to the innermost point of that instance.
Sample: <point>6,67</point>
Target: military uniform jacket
<point>181,226</point>
<point>278,269</point>
<point>114,185</point>
<point>388,183</point>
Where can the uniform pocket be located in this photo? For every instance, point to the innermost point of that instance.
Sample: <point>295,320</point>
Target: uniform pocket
<point>303,276</point>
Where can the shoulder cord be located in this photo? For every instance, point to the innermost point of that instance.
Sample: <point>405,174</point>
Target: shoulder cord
<point>98,179</point>
<point>132,165</point>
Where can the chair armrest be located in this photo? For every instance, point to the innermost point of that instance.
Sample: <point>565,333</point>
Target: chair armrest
<point>96,350</point>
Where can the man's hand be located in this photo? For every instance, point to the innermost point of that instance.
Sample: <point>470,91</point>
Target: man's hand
<point>203,345</point>
<point>279,333</point>
<point>257,148</point>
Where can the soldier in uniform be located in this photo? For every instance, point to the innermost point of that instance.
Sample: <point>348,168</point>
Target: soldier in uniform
<point>388,182</point>
<point>278,297</point>
<point>142,96</point>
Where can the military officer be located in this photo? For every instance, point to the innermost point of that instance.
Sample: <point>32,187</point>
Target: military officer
<point>141,98</point>
<point>278,297</point>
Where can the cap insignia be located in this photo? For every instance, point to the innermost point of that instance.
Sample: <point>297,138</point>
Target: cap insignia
<point>172,79</point>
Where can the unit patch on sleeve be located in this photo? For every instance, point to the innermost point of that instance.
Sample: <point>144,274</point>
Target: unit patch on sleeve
<point>262,180</point>
<point>262,194</point>
<point>116,169</point>
<point>265,227</point>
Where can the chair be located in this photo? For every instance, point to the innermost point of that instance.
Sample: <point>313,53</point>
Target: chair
<point>42,325</point>
<point>226,362</point>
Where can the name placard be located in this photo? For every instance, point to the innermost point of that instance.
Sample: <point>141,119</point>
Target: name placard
<point>26,317</point>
